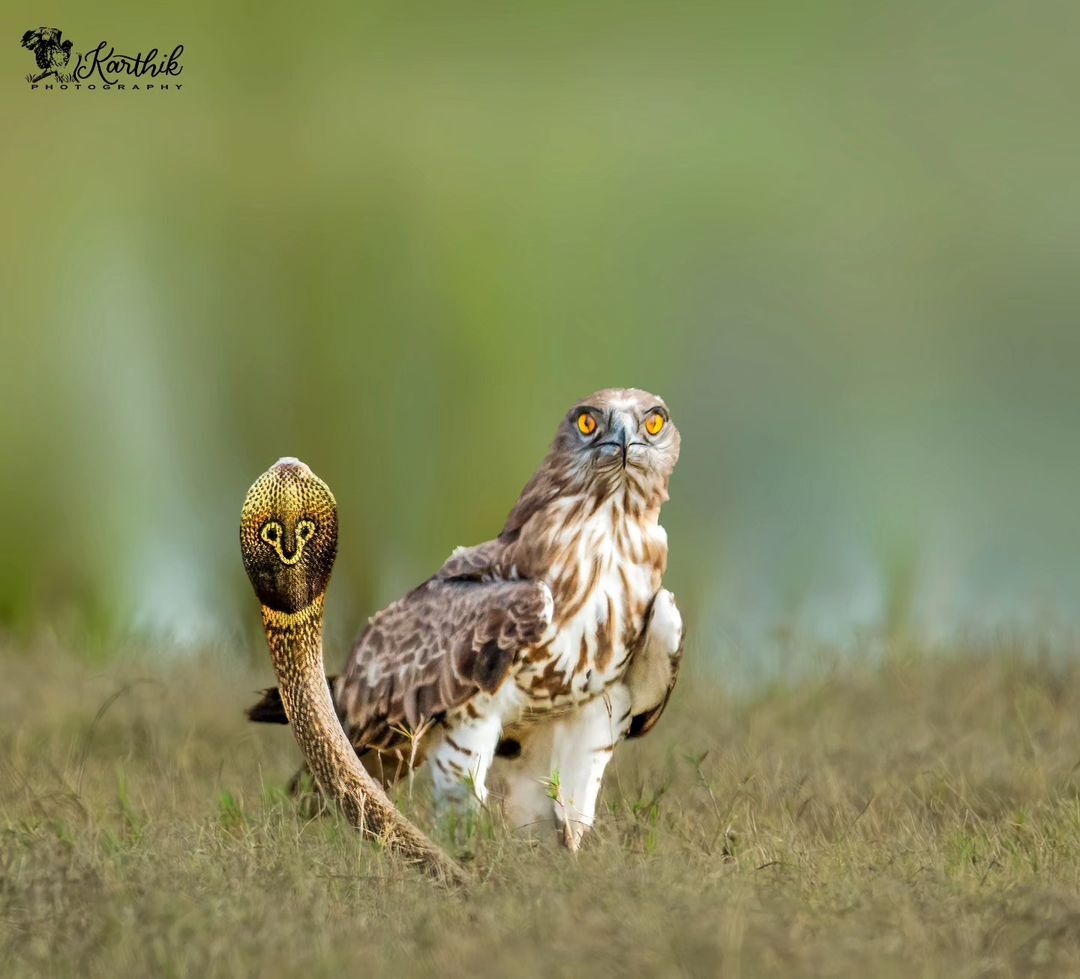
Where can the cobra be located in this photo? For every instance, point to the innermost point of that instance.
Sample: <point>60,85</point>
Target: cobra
<point>288,538</point>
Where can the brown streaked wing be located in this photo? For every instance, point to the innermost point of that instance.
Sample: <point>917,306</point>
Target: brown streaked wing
<point>453,637</point>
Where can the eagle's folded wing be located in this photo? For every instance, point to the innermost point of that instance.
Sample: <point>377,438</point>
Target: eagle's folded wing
<point>455,636</point>
<point>641,724</point>
<point>654,669</point>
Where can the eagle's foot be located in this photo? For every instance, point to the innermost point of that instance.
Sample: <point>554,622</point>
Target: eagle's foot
<point>570,836</point>
<point>572,833</point>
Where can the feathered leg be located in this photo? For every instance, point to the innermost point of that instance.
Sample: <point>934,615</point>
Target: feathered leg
<point>527,781</point>
<point>582,747</point>
<point>460,763</point>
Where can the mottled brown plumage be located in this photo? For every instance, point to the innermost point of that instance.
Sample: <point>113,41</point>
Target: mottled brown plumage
<point>483,612</point>
<point>551,622</point>
<point>446,641</point>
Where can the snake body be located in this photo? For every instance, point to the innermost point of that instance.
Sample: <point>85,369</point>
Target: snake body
<point>288,538</point>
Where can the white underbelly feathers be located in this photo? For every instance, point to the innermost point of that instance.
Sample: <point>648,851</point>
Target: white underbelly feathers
<point>596,622</point>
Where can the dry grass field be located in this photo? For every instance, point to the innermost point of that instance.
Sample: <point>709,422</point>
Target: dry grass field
<point>920,817</point>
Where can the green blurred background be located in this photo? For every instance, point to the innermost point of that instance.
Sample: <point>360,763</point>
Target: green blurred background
<point>400,240</point>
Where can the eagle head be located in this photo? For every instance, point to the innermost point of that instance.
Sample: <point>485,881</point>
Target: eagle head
<point>618,436</point>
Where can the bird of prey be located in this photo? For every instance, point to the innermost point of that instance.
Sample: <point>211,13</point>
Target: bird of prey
<point>545,646</point>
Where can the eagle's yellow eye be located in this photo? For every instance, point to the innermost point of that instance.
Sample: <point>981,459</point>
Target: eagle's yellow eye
<point>586,423</point>
<point>654,423</point>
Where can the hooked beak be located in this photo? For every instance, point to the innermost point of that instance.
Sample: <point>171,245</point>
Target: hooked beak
<point>614,446</point>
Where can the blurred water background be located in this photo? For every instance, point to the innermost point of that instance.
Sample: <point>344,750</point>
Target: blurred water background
<point>399,240</point>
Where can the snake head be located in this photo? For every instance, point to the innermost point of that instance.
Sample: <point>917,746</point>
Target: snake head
<point>288,536</point>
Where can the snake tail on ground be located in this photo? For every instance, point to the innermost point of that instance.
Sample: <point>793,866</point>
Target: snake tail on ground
<point>288,538</point>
